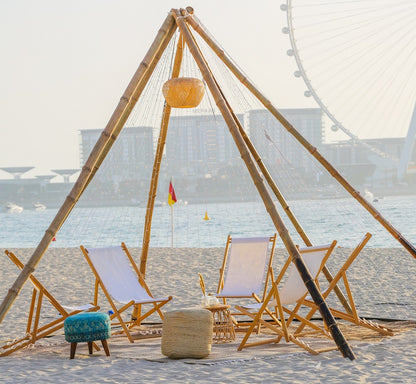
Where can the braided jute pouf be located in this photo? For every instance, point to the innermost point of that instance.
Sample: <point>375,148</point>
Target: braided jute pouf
<point>187,333</point>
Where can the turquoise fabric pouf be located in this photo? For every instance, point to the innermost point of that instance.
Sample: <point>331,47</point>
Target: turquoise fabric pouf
<point>87,327</point>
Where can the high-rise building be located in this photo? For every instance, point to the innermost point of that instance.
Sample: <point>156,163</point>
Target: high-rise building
<point>199,146</point>
<point>130,158</point>
<point>276,144</point>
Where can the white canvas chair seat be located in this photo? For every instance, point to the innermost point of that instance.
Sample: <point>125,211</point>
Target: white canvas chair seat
<point>247,264</point>
<point>292,292</point>
<point>84,307</point>
<point>112,267</point>
<point>294,288</point>
<point>116,274</point>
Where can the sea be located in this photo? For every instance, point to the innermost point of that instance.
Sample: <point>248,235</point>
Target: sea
<point>207,225</point>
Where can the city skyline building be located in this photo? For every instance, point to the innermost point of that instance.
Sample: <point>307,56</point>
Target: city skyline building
<point>201,156</point>
<point>199,146</point>
<point>130,157</point>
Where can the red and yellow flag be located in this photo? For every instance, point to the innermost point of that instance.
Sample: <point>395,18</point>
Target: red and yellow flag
<point>172,196</point>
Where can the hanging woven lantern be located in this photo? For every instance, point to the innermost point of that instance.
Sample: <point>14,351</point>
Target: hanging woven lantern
<point>183,92</point>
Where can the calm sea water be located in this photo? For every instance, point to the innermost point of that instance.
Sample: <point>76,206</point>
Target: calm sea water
<point>322,220</point>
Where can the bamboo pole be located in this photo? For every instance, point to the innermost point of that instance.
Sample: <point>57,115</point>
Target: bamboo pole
<point>135,97</point>
<point>119,114</point>
<point>149,67</point>
<point>258,182</point>
<point>313,151</point>
<point>155,174</point>
<point>285,206</point>
<point>157,162</point>
<point>289,212</point>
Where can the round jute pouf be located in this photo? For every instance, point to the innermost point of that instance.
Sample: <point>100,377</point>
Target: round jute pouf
<point>187,333</point>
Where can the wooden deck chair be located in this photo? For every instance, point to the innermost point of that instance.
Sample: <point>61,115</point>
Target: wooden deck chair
<point>292,292</point>
<point>246,269</point>
<point>341,314</point>
<point>35,331</point>
<point>112,268</point>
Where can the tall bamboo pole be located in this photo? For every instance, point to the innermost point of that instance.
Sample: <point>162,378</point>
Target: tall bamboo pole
<point>314,152</point>
<point>283,203</point>
<point>129,107</point>
<point>135,97</point>
<point>287,209</point>
<point>258,182</point>
<point>157,162</point>
<point>121,112</point>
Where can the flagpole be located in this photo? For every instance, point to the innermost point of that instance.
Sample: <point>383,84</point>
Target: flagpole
<point>171,201</point>
<point>171,222</point>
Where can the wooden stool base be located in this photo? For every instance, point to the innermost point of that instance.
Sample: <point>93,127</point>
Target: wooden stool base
<point>90,348</point>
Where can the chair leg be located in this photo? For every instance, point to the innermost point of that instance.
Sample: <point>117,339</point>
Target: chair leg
<point>73,349</point>
<point>90,347</point>
<point>105,346</point>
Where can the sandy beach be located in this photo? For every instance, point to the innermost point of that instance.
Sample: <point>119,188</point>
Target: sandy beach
<point>65,273</point>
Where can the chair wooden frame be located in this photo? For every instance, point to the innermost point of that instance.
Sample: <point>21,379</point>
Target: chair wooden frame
<point>34,331</point>
<point>352,317</point>
<point>279,325</point>
<point>126,325</point>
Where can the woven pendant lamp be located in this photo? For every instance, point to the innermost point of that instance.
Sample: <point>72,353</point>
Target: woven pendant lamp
<point>183,92</point>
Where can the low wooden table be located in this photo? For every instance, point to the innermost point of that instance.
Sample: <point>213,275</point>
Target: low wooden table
<point>223,330</point>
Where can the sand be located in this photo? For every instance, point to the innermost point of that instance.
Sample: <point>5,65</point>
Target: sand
<point>65,273</point>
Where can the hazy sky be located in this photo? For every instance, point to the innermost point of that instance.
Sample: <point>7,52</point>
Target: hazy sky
<point>65,65</point>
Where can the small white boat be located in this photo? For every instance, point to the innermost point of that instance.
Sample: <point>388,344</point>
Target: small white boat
<point>39,206</point>
<point>370,196</point>
<point>13,208</point>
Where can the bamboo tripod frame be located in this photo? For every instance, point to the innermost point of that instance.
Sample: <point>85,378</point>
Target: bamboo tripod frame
<point>108,137</point>
<point>183,19</point>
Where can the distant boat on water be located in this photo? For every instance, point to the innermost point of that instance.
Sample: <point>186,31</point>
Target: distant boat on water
<point>39,206</point>
<point>370,196</point>
<point>13,208</point>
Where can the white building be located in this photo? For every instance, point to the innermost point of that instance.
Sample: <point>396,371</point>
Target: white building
<point>130,158</point>
<point>198,146</point>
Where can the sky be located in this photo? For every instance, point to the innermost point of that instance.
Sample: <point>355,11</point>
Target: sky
<point>65,65</point>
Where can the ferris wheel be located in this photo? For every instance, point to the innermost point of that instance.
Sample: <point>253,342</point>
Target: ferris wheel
<point>357,59</point>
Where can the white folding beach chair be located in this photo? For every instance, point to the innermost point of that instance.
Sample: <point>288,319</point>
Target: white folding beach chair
<point>246,269</point>
<point>114,274</point>
<point>293,292</point>
<point>351,316</point>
